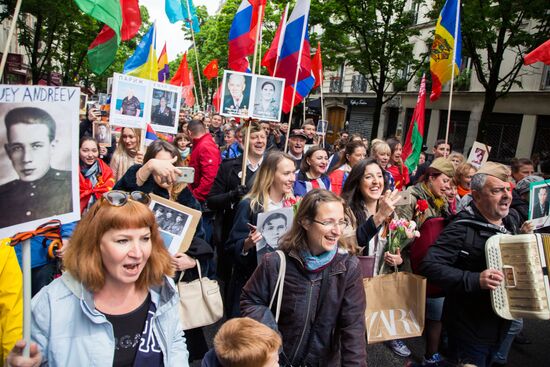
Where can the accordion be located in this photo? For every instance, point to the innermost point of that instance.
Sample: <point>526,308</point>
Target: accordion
<point>524,260</point>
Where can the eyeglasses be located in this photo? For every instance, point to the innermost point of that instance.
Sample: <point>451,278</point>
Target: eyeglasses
<point>120,198</point>
<point>329,224</point>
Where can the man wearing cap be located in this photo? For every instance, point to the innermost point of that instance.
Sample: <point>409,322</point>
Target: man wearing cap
<point>296,143</point>
<point>457,264</point>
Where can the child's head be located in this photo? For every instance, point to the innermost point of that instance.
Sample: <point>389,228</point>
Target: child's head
<point>243,342</point>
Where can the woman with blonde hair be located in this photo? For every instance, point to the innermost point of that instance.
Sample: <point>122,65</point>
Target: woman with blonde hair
<point>381,151</point>
<point>115,305</point>
<point>272,189</point>
<point>322,312</point>
<point>127,152</point>
<point>456,159</point>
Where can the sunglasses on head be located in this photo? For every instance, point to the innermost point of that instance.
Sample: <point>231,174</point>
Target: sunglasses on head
<point>120,198</point>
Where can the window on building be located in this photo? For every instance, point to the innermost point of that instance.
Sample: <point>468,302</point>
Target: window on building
<point>457,128</point>
<point>503,137</point>
<point>358,84</point>
<point>415,8</point>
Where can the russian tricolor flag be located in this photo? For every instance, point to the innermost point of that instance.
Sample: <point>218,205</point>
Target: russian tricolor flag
<point>242,34</point>
<point>296,38</point>
<point>150,135</point>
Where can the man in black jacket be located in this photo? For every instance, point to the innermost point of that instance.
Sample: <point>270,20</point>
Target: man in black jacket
<point>457,263</point>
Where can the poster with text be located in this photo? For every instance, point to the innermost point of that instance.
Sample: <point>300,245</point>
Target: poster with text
<point>130,101</point>
<point>39,156</point>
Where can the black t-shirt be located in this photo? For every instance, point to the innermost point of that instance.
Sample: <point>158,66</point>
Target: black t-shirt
<point>128,330</point>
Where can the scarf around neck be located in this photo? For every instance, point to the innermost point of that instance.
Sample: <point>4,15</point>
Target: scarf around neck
<point>318,263</point>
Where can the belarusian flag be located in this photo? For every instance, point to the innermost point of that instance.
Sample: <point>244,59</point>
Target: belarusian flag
<point>122,21</point>
<point>415,134</point>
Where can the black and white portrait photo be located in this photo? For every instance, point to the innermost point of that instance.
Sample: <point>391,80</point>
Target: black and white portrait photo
<point>39,156</point>
<point>272,225</point>
<point>102,133</point>
<point>539,203</point>
<point>268,98</point>
<point>170,220</point>
<point>165,103</point>
<point>236,93</point>
<point>479,154</point>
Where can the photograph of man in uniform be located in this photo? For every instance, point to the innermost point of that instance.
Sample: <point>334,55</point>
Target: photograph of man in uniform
<point>272,229</point>
<point>130,104</point>
<point>162,114</point>
<point>541,205</point>
<point>40,190</point>
<point>267,100</point>
<point>102,133</point>
<point>236,99</point>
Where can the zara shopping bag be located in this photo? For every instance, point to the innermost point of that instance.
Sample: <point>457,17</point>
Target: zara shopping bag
<point>200,301</point>
<point>396,305</point>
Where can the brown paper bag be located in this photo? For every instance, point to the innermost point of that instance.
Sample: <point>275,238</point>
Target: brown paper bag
<point>396,305</point>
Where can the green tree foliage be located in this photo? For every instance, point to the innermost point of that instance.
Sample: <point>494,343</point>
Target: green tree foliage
<point>371,36</point>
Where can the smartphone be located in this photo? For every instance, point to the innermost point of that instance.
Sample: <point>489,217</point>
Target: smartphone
<point>187,174</point>
<point>404,198</point>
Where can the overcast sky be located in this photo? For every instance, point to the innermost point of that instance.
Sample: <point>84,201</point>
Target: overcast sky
<point>172,33</point>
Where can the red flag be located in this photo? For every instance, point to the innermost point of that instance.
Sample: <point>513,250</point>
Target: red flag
<point>187,90</point>
<point>541,53</point>
<point>415,134</point>
<point>317,67</point>
<point>217,99</point>
<point>182,75</point>
<point>270,58</point>
<point>211,70</point>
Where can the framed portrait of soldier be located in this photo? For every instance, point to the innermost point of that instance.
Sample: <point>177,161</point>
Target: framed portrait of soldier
<point>236,94</point>
<point>272,225</point>
<point>83,103</point>
<point>177,223</point>
<point>268,98</point>
<point>165,107</point>
<point>39,156</point>
<point>101,132</point>
<point>539,203</point>
<point>479,154</point>
<point>129,107</point>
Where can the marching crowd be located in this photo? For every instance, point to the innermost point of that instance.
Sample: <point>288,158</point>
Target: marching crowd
<point>116,302</point>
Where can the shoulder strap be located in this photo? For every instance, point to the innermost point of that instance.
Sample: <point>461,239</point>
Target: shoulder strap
<point>279,285</point>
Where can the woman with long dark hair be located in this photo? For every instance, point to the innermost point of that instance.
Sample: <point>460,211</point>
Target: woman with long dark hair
<point>353,153</point>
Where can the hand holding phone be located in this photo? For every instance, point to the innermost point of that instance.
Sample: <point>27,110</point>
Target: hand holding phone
<point>187,174</point>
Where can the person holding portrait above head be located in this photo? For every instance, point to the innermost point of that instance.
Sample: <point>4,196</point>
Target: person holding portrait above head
<point>236,103</point>
<point>40,191</point>
<point>540,206</point>
<point>322,314</point>
<point>130,105</point>
<point>162,114</point>
<point>102,134</point>
<point>127,152</point>
<point>265,105</point>
<point>115,305</point>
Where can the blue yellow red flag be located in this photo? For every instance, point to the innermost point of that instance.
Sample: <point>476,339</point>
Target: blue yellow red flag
<point>446,52</point>
<point>143,63</point>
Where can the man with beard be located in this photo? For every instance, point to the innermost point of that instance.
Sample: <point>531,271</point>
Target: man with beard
<point>227,191</point>
<point>457,263</point>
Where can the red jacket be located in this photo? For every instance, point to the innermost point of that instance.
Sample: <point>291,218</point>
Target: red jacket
<point>205,159</point>
<point>105,182</point>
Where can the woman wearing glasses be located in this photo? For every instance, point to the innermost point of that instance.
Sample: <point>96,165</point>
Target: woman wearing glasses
<point>322,315</point>
<point>271,190</point>
<point>115,304</point>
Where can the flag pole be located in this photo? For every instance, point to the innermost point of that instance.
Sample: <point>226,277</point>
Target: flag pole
<point>196,53</point>
<point>8,39</point>
<point>457,21</point>
<point>296,79</point>
<point>260,54</point>
<point>322,97</point>
<point>256,39</point>
<point>281,39</point>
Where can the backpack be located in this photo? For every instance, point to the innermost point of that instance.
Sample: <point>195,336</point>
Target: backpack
<point>429,233</point>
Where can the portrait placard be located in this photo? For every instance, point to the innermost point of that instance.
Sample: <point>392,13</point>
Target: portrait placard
<point>101,132</point>
<point>479,154</point>
<point>268,98</point>
<point>39,158</point>
<point>165,107</point>
<point>272,225</point>
<point>539,195</point>
<point>236,94</point>
<point>83,103</point>
<point>129,101</point>
<point>177,223</point>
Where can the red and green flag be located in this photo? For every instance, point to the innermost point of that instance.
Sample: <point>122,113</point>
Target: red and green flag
<point>415,134</point>
<point>122,20</point>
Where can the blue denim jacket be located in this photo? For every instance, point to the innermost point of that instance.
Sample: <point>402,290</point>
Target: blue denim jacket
<point>71,332</point>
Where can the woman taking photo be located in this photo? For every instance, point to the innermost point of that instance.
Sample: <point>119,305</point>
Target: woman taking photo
<point>96,177</point>
<point>312,173</point>
<point>271,190</point>
<point>115,304</point>
<point>127,152</point>
<point>322,315</point>
<point>353,153</point>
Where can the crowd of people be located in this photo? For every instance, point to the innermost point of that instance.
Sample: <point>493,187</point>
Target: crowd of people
<point>116,302</point>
